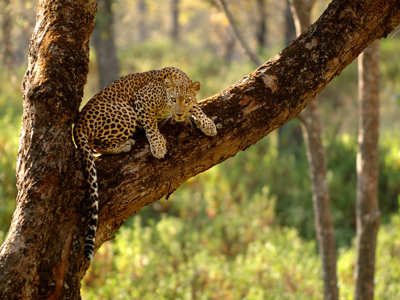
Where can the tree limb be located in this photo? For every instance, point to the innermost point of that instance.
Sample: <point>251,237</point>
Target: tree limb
<point>245,112</point>
<point>42,254</point>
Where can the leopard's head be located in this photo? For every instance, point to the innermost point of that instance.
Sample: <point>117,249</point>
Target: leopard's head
<point>181,95</point>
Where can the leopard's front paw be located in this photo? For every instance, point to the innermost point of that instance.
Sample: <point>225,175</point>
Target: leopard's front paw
<point>207,126</point>
<point>158,148</point>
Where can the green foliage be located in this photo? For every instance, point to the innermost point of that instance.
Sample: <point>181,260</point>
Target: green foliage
<point>10,116</point>
<point>234,254</point>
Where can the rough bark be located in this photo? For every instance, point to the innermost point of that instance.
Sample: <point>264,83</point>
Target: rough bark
<point>175,29</point>
<point>367,207</point>
<point>7,55</point>
<point>42,255</point>
<point>312,133</point>
<point>253,57</point>
<point>104,44</point>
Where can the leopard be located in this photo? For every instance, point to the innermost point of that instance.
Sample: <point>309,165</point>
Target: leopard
<point>108,121</point>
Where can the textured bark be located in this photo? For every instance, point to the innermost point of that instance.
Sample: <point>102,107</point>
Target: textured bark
<point>175,29</point>
<point>367,208</point>
<point>253,57</point>
<point>312,133</point>
<point>7,55</point>
<point>42,255</point>
<point>104,44</point>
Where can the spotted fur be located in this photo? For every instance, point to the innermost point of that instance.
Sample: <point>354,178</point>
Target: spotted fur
<point>107,122</point>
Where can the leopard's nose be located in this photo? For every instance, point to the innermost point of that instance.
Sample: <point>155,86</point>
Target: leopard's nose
<point>179,115</point>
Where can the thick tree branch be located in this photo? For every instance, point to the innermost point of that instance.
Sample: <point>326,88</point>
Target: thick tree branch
<point>42,255</point>
<point>245,112</point>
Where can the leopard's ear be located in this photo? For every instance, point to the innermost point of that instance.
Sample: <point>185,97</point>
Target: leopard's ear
<point>196,86</point>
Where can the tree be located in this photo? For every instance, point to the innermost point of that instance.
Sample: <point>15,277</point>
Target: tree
<point>367,207</point>
<point>142,26</point>
<point>261,24</point>
<point>175,11</point>
<point>253,57</point>
<point>104,44</point>
<point>312,134</point>
<point>42,254</point>
<point>7,56</point>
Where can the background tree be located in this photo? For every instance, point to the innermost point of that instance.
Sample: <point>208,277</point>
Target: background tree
<point>251,54</point>
<point>367,209</point>
<point>142,23</point>
<point>7,54</point>
<point>261,32</point>
<point>312,134</point>
<point>104,44</point>
<point>175,12</point>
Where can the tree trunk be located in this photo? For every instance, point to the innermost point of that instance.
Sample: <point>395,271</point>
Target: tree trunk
<point>229,47</point>
<point>104,44</point>
<point>367,208</point>
<point>175,30</point>
<point>142,24</point>
<point>312,134</point>
<point>253,57</point>
<point>7,55</point>
<point>41,257</point>
<point>290,29</point>
<point>311,127</point>
<point>43,253</point>
<point>261,24</point>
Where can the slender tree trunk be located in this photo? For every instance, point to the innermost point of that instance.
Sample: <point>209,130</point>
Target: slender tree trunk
<point>42,256</point>
<point>104,44</point>
<point>290,29</point>
<point>7,55</point>
<point>289,136</point>
<point>142,24</point>
<point>312,134</point>
<point>175,11</point>
<point>253,56</point>
<point>367,208</point>
<point>229,48</point>
<point>261,31</point>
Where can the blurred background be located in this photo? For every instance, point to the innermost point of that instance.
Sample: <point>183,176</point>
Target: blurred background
<point>245,228</point>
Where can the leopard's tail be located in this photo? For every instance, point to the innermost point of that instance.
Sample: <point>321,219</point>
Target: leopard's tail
<point>90,168</point>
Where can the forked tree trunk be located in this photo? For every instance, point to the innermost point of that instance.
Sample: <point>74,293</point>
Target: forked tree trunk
<point>367,208</point>
<point>42,256</point>
<point>312,133</point>
<point>104,44</point>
